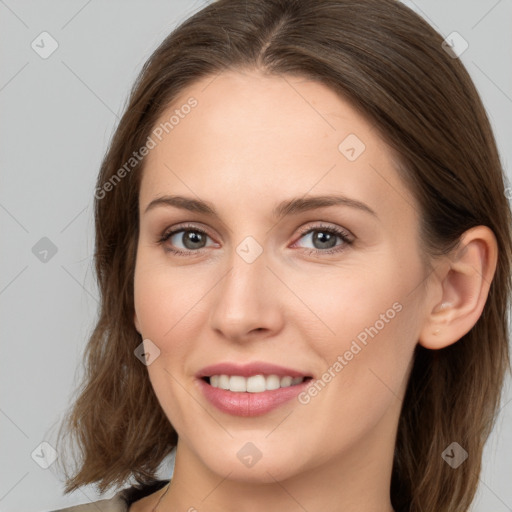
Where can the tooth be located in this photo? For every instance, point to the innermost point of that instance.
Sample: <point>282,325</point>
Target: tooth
<point>286,382</point>
<point>272,382</point>
<point>256,384</point>
<point>223,382</point>
<point>253,384</point>
<point>237,383</point>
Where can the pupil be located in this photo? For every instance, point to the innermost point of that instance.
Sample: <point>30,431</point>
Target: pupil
<point>324,238</point>
<point>192,238</point>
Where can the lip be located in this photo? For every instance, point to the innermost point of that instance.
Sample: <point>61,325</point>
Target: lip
<point>244,403</point>
<point>246,370</point>
<point>249,404</point>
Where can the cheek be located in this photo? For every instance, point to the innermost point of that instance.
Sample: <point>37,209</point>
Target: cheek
<point>164,299</point>
<point>369,321</point>
<point>366,356</point>
<point>346,301</point>
<point>164,309</point>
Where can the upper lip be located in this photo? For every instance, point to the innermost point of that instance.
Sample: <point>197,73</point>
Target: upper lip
<point>249,369</point>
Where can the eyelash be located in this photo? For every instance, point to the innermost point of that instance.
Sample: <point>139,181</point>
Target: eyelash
<point>344,235</point>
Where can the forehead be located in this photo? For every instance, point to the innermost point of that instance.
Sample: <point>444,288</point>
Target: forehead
<point>267,137</point>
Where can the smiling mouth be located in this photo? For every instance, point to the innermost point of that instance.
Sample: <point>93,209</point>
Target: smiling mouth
<point>253,384</point>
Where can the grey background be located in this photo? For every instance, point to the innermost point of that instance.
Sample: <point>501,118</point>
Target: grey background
<point>58,115</point>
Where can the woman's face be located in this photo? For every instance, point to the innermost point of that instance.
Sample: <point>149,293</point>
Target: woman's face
<point>305,263</point>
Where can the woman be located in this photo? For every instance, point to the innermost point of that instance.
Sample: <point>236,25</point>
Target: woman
<point>303,250</point>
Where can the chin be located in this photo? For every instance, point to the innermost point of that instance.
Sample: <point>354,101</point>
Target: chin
<point>245,462</point>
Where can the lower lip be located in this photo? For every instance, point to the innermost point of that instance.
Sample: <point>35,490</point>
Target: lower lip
<point>249,404</point>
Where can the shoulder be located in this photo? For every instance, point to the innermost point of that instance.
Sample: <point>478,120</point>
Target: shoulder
<point>120,502</point>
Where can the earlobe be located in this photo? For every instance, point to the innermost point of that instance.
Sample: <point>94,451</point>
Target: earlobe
<point>464,287</point>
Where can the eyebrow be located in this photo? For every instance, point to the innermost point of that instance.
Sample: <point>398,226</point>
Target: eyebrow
<point>287,207</point>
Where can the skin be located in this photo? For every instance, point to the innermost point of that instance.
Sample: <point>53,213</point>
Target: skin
<point>251,142</point>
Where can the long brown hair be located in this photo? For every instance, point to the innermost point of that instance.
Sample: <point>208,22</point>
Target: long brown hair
<point>391,66</point>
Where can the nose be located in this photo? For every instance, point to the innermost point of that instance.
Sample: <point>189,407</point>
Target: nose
<point>247,303</point>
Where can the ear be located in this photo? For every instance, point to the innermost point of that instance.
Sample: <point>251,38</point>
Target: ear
<point>461,290</point>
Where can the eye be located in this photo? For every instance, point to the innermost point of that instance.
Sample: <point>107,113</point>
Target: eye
<point>191,237</point>
<point>325,238</point>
